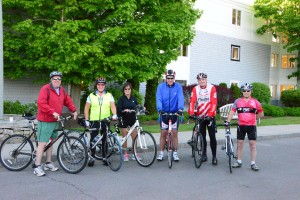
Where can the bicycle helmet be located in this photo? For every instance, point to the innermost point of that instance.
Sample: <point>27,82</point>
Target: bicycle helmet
<point>247,86</point>
<point>170,72</point>
<point>201,75</point>
<point>55,73</point>
<point>101,80</point>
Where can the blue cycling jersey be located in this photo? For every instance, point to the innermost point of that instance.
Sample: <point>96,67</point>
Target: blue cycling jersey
<point>169,98</point>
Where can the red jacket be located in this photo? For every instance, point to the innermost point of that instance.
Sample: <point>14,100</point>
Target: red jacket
<point>49,102</point>
<point>203,101</point>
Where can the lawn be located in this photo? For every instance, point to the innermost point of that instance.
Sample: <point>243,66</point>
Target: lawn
<point>153,126</point>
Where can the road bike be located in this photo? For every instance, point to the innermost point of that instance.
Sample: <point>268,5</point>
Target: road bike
<point>17,151</point>
<point>169,139</point>
<point>228,146</point>
<point>112,147</point>
<point>196,141</point>
<point>144,145</point>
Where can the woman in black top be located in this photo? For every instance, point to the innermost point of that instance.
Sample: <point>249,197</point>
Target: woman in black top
<point>126,103</point>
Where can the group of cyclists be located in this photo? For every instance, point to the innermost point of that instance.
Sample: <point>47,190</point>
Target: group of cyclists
<point>169,99</point>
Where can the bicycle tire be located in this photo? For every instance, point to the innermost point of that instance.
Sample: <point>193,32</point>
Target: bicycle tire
<point>113,152</point>
<point>144,149</point>
<point>198,150</point>
<point>229,152</point>
<point>193,141</point>
<point>16,152</point>
<point>170,149</point>
<point>72,154</point>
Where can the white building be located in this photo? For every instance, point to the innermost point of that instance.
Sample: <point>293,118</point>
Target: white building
<point>227,48</point>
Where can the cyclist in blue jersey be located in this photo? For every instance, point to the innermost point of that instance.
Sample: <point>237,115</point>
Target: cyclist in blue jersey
<point>169,99</point>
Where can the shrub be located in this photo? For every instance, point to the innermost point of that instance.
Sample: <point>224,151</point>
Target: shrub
<point>16,107</point>
<point>187,90</point>
<point>223,85</point>
<point>274,111</point>
<point>236,92</point>
<point>291,98</point>
<point>261,92</point>
<point>224,96</point>
<point>289,111</point>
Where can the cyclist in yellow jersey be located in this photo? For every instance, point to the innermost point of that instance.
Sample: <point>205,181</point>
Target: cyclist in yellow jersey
<point>99,105</point>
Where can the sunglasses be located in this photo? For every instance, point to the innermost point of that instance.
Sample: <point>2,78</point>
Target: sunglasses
<point>56,79</point>
<point>100,84</point>
<point>127,89</point>
<point>246,90</point>
<point>170,78</point>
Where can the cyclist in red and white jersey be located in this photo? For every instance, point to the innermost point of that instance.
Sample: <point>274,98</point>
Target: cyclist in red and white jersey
<point>248,109</point>
<point>203,102</point>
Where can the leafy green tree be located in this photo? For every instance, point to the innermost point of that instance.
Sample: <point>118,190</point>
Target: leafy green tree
<point>85,39</point>
<point>283,17</point>
<point>120,40</point>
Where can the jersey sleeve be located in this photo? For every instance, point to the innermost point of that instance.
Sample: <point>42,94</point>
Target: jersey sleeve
<point>193,100</point>
<point>213,102</point>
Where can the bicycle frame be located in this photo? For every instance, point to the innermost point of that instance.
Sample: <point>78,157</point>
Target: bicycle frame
<point>197,141</point>
<point>143,145</point>
<point>71,152</point>
<point>228,147</point>
<point>52,141</point>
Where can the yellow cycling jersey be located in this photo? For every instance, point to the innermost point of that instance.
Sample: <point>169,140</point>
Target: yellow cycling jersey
<point>100,106</point>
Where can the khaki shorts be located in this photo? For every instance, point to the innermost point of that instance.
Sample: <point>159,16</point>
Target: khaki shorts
<point>45,131</point>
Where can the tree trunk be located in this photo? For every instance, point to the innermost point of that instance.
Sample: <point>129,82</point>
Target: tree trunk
<point>75,94</point>
<point>135,84</point>
<point>150,98</point>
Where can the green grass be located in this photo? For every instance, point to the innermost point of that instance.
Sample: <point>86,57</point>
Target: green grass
<point>266,121</point>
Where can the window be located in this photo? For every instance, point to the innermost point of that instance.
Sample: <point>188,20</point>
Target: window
<point>286,87</point>
<point>274,61</point>
<point>234,82</point>
<point>236,17</point>
<point>235,53</point>
<point>183,50</point>
<point>273,89</point>
<point>288,61</point>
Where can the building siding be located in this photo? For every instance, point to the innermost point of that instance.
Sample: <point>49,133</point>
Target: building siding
<point>211,53</point>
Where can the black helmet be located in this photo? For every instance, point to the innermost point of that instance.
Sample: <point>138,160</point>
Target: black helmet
<point>201,75</point>
<point>55,73</point>
<point>101,80</point>
<point>170,72</point>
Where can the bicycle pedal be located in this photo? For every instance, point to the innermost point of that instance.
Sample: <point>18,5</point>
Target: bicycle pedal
<point>223,148</point>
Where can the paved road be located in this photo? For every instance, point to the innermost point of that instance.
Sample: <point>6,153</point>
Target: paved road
<point>277,179</point>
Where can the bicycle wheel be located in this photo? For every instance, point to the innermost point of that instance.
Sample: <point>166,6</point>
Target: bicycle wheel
<point>144,149</point>
<point>72,154</point>
<point>193,140</point>
<point>113,152</point>
<point>170,149</point>
<point>16,152</point>
<point>198,150</point>
<point>229,152</point>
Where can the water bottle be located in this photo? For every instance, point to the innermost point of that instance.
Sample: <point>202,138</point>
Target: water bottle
<point>95,140</point>
<point>86,141</point>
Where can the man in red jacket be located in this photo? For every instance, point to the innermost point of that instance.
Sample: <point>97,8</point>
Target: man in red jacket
<point>203,103</point>
<point>51,100</point>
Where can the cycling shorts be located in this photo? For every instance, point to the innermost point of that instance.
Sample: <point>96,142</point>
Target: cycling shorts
<point>249,130</point>
<point>164,122</point>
